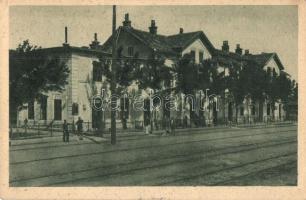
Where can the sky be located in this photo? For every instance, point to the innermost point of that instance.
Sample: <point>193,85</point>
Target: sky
<point>257,28</point>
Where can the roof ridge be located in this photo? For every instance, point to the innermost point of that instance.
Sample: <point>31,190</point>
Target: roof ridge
<point>178,34</point>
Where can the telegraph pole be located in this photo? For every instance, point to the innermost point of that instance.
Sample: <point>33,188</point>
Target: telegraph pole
<point>113,81</point>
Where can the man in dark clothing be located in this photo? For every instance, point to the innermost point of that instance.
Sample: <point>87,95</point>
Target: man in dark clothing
<point>172,126</point>
<point>79,124</point>
<point>65,132</point>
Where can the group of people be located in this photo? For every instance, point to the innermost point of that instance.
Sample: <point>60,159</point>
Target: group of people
<point>169,125</point>
<point>79,125</point>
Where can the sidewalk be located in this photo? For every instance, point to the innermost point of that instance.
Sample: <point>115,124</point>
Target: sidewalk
<point>57,136</point>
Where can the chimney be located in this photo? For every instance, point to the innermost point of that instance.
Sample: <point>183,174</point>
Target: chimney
<point>94,44</point>
<point>153,28</point>
<point>181,30</point>
<point>66,37</point>
<point>246,52</point>
<point>126,22</point>
<point>225,46</point>
<point>238,49</point>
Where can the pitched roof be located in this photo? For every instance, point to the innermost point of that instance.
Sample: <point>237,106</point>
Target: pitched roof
<point>182,40</point>
<point>261,59</point>
<point>172,44</point>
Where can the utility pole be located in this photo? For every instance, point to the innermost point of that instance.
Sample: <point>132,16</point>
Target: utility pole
<point>113,81</point>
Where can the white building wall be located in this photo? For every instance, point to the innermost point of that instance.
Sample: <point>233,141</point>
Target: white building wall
<point>81,86</point>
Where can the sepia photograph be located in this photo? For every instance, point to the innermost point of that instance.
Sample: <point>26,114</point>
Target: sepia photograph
<point>153,95</point>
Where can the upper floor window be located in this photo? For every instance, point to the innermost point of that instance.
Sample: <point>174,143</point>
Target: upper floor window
<point>201,56</point>
<point>75,109</point>
<point>131,51</point>
<point>274,73</point>
<point>192,54</point>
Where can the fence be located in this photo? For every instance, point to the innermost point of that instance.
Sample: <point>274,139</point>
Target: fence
<point>50,129</point>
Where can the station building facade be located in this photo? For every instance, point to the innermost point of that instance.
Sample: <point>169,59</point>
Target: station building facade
<point>83,83</point>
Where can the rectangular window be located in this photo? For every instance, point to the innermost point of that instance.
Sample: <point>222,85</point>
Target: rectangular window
<point>253,110</point>
<point>131,51</point>
<point>43,107</point>
<point>241,111</point>
<point>268,109</point>
<point>192,54</point>
<point>97,73</point>
<point>75,109</point>
<point>57,109</point>
<point>201,56</point>
<point>31,110</point>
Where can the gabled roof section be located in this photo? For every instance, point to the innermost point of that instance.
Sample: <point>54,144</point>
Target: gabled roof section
<point>261,59</point>
<point>183,40</point>
<point>172,44</point>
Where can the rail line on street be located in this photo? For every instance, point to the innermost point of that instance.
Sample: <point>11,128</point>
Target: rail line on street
<point>195,156</point>
<point>260,161</point>
<point>150,146</point>
<point>294,162</point>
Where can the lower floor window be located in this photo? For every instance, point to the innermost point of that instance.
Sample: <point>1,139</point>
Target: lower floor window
<point>57,109</point>
<point>253,110</point>
<point>241,110</point>
<point>31,110</point>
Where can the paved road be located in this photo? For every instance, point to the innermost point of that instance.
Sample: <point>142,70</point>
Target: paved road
<point>224,156</point>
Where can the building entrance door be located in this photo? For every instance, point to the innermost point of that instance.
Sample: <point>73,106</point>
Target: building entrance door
<point>215,113</point>
<point>96,119</point>
<point>230,111</point>
<point>260,113</point>
<point>280,111</point>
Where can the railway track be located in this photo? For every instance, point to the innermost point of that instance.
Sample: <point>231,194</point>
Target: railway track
<point>216,173</point>
<point>150,146</point>
<point>159,162</point>
<point>291,164</point>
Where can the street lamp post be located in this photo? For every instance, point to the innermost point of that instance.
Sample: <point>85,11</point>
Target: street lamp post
<point>208,103</point>
<point>113,80</point>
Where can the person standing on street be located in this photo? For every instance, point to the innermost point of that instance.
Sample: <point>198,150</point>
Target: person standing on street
<point>172,126</point>
<point>25,126</point>
<point>65,132</point>
<point>79,124</point>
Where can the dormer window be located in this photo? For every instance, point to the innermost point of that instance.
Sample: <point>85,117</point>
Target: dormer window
<point>192,55</point>
<point>130,51</point>
<point>201,56</point>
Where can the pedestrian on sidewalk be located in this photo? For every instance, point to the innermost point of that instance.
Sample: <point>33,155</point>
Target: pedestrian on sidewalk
<point>25,126</point>
<point>65,132</point>
<point>172,126</point>
<point>79,124</point>
<point>167,124</point>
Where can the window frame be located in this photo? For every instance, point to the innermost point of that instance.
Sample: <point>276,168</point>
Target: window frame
<point>31,110</point>
<point>43,108</point>
<point>57,110</point>
<point>193,55</point>
<point>130,51</point>
<point>201,53</point>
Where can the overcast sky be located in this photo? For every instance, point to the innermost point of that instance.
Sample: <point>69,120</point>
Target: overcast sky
<point>257,28</point>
